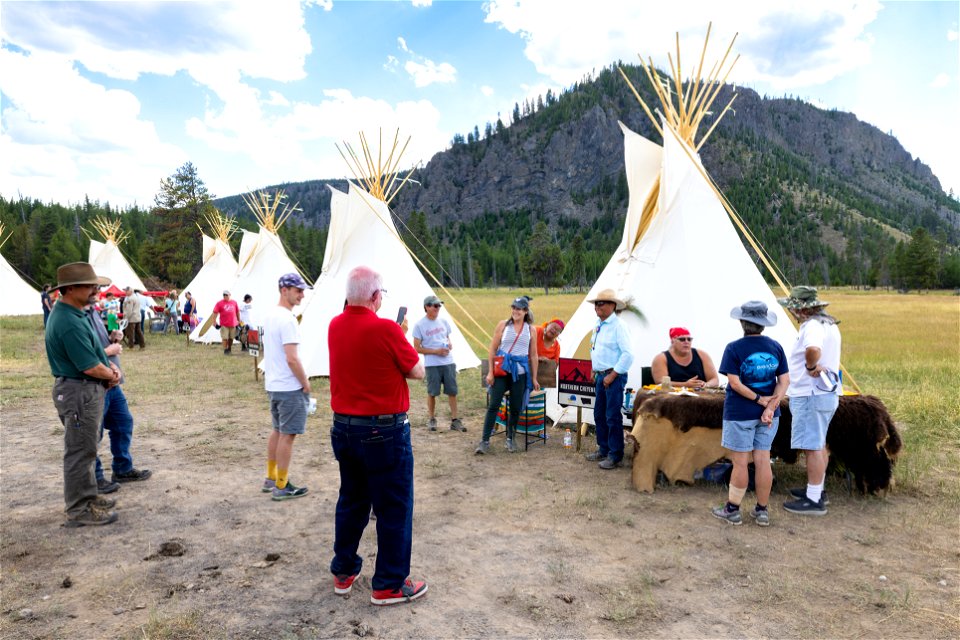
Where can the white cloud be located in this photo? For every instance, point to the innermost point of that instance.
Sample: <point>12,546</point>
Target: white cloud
<point>486,90</point>
<point>940,81</point>
<point>428,72</point>
<point>785,43</point>
<point>952,35</point>
<point>423,70</point>
<point>276,99</point>
<point>67,136</point>
<point>422,3</point>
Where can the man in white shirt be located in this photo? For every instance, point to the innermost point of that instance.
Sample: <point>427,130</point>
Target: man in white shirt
<point>286,382</point>
<point>246,321</point>
<point>431,337</point>
<point>814,392</point>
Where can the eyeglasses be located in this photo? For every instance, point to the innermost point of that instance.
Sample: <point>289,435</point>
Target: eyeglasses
<point>383,292</point>
<point>685,339</point>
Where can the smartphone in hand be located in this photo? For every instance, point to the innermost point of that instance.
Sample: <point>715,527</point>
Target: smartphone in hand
<point>401,315</point>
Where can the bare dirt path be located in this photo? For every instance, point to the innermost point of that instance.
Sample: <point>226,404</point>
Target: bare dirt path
<point>535,544</point>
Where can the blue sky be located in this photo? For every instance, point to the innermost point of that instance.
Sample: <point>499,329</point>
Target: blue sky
<point>104,99</point>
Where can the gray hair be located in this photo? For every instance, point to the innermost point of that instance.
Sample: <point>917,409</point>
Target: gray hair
<point>362,284</point>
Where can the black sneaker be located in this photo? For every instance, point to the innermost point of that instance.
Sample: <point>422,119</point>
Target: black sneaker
<point>134,475</point>
<point>806,507</point>
<point>106,486</point>
<point>802,493</point>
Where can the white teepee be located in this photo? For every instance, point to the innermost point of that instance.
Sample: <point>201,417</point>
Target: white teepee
<point>108,260</point>
<point>218,272</point>
<point>262,261</point>
<point>363,233</point>
<point>680,262</point>
<point>19,298</point>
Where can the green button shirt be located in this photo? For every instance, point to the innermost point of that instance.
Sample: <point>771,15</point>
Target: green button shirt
<point>72,346</point>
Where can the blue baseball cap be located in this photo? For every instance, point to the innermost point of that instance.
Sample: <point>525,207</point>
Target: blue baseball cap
<point>293,280</point>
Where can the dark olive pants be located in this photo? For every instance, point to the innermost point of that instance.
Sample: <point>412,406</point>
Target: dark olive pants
<point>80,405</point>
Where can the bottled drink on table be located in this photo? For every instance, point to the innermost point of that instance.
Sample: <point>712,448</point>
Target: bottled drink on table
<point>666,384</point>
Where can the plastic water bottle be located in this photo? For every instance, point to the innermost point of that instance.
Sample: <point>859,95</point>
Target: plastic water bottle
<point>628,400</point>
<point>312,407</point>
<point>567,439</point>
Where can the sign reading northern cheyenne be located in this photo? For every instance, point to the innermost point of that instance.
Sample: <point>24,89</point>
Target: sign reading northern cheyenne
<point>576,386</point>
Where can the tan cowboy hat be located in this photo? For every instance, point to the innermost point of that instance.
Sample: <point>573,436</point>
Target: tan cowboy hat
<point>79,273</point>
<point>609,295</point>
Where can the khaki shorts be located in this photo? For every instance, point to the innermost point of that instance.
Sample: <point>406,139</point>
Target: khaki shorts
<point>228,333</point>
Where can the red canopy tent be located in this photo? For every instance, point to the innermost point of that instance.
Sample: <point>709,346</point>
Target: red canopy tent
<point>114,289</point>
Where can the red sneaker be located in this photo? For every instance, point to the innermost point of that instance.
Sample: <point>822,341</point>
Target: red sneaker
<point>343,584</point>
<point>409,590</point>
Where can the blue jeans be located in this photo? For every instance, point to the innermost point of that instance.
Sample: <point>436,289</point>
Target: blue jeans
<point>118,421</point>
<point>608,419</point>
<point>376,469</point>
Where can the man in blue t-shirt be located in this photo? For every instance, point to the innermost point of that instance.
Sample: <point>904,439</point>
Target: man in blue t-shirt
<point>757,379</point>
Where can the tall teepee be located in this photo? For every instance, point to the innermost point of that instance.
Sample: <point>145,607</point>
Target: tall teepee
<point>108,260</point>
<point>18,298</point>
<point>219,268</point>
<point>680,259</point>
<point>263,260</point>
<point>362,232</point>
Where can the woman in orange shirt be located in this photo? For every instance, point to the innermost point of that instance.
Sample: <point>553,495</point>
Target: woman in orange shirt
<point>547,346</point>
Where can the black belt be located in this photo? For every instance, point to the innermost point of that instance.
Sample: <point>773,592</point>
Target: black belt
<point>602,373</point>
<point>383,420</point>
<point>102,383</point>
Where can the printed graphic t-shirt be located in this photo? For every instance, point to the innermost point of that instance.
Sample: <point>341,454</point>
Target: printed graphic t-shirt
<point>757,361</point>
<point>433,334</point>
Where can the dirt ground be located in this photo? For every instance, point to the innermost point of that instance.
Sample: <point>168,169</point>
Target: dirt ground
<point>534,544</point>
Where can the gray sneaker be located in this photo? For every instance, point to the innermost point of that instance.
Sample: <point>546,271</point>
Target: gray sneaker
<point>594,457</point>
<point>268,485</point>
<point>733,518</point>
<point>432,424</point>
<point>457,425</point>
<point>762,518</point>
<point>482,448</point>
<point>93,516</point>
<point>512,448</point>
<point>288,492</point>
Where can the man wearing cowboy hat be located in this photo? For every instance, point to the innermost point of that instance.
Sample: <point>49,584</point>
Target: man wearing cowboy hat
<point>611,354</point>
<point>82,375</point>
<point>757,379</point>
<point>814,392</point>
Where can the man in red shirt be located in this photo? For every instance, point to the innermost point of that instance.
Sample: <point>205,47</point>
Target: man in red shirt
<point>370,362</point>
<point>228,312</point>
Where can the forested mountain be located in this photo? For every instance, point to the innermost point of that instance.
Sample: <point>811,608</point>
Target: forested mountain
<point>832,199</point>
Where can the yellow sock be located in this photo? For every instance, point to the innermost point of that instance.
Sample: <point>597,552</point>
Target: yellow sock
<point>282,478</point>
<point>271,470</point>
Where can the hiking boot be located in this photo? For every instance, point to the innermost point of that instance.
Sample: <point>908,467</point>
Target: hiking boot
<point>226,352</point>
<point>732,517</point>
<point>761,517</point>
<point>512,448</point>
<point>805,507</point>
<point>268,485</point>
<point>103,503</point>
<point>343,584</point>
<point>288,492</point>
<point>432,424</point>
<point>802,493</point>
<point>134,475</point>
<point>482,448</point>
<point>410,590</point>
<point>609,463</point>
<point>93,516</point>
<point>594,457</point>
<point>105,486</point>
<point>457,425</point>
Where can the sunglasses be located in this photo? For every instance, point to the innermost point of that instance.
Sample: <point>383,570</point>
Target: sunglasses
<point>600,303</point>
<point>827,381</point>
<point>685,339</point>
<point>435,306</point>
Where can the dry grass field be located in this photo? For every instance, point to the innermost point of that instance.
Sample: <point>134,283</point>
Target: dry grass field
<point>537,544</point>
